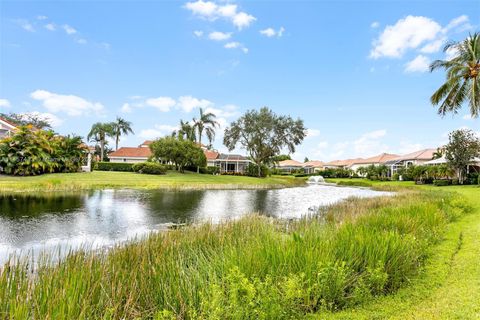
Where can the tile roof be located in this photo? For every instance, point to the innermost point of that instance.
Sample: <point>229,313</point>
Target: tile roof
<point>9,123</point>
<point>381,158</point>
<point>290,163</point>
<point>210,154</point>
<point>314,163</point>
<point>140,152</point>
<point>146,143</point>
<point>425,154</point>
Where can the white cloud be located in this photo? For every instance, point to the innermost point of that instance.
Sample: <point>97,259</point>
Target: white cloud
<point>211,11</point>
<point>242,20</point>
<point>198,33</point>
<point>126,108</point>
<point>461,21</point>
<point>68,29</point>
<point>26,25</point>
<point>81,41</point>
<point>219,36</point>
<point>188,103</point>
<point>370,143</point>
<point>51,26</point>
<point>313,133</point>
<point>69,104</point>
<point>375,24</point>
<point>42,17</point>
<point>159,131</point>
<point>433,46</point>
<point>270,32</point>
<point>420,64</point>
<point>163,104</point>
<point>467,117</point>
<point>52,119</point>
<point>236,45</point>
<point>407,33</point>
<point>232,45</point>
<point>4,103</point>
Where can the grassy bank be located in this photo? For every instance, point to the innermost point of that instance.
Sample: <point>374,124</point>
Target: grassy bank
<point>108,179</point>
<point>258,268</point>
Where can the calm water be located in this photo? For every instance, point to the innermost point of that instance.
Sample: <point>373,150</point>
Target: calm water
<point>31,224</point>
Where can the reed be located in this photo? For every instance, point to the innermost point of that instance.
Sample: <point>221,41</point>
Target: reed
<point>255,267</point>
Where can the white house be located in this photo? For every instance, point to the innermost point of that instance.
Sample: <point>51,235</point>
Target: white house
<point>6,128</point>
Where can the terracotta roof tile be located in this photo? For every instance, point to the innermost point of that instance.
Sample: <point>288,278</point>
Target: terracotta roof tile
<point>140,152</point>
<point>210,154</point>
<point>290,163</point>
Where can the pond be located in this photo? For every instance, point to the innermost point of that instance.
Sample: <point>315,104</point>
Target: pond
<point>30,224</point>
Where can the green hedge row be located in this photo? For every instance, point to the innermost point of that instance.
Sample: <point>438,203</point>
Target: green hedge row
<point>149,168</point>
<point>113,166</point>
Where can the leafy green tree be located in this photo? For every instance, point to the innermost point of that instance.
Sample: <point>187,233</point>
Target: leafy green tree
<point>29,118</point>
<point>306,159</point>
<point>463,146</point>
<point>463,80</point>
<point>206,122</point>
<point>99,133</point>
<point>264,135</point>
<point>181,153</point>
<point>281,157</point>
<point>121,127</point>
<point>31,151</point>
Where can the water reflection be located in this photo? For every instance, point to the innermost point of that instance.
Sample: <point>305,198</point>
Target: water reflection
<point>104,217</point>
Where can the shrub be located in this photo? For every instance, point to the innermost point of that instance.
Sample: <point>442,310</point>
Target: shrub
<point>30,152</point>
<point>114,166</point>
<point>455,181</point>
<point>210,170</point>
<point>149,168</point>
<point>252,170</point>
<point>443,182</point>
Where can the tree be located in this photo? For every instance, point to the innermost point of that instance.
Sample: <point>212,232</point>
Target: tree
<point>99,133</point>
<point>186,131</point>
<point>264,135</point>
<point>281,157</point>
<point>306,159</point>
<point>121,127</point>
<point>182,153</point>
<point>463,146</point>
<point>463,80</point>
<point>30,118</point>
<point>206,122</point>
<point>32,152</point>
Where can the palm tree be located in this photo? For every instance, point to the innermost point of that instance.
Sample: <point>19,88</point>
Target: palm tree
<point>187,131</point>
<point>206,122</point>
<point>463,80</point>
<point>98,133</point>
<point>121,127</point>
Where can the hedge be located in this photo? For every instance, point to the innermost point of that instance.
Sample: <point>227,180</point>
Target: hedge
<point>441,183</point>
<point>113,166</point>
<point>149,168</point>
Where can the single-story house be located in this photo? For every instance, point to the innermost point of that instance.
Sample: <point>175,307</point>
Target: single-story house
<point>474,165</point>
<point>289,166</point>
<point>376,161</point>
<point>415,158</point>
<point>225,162</point>
<point>313,166</point>
<point>341,164</point>
<point>6,128</point>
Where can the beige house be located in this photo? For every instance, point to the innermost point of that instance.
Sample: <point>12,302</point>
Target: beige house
<point>415,158</point>
<point>376,161</point>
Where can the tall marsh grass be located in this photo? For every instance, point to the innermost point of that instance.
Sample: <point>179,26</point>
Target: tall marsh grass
<point>257,267</point>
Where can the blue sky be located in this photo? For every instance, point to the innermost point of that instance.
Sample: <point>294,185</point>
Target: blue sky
<point>354,71</point>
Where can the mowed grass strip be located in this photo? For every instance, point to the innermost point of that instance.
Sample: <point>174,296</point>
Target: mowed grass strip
<point>110,179</point>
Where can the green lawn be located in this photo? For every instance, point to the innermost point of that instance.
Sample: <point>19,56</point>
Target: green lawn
<point>449,286</point>
<point>104,179</point>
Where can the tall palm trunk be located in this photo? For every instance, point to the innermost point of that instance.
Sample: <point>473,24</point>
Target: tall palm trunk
<point>200,131</point>
<point>117,138</point>
<point>102,147</point>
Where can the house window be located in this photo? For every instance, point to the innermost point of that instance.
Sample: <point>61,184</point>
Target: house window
<point>230,167</point>
<point>124,160</point>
